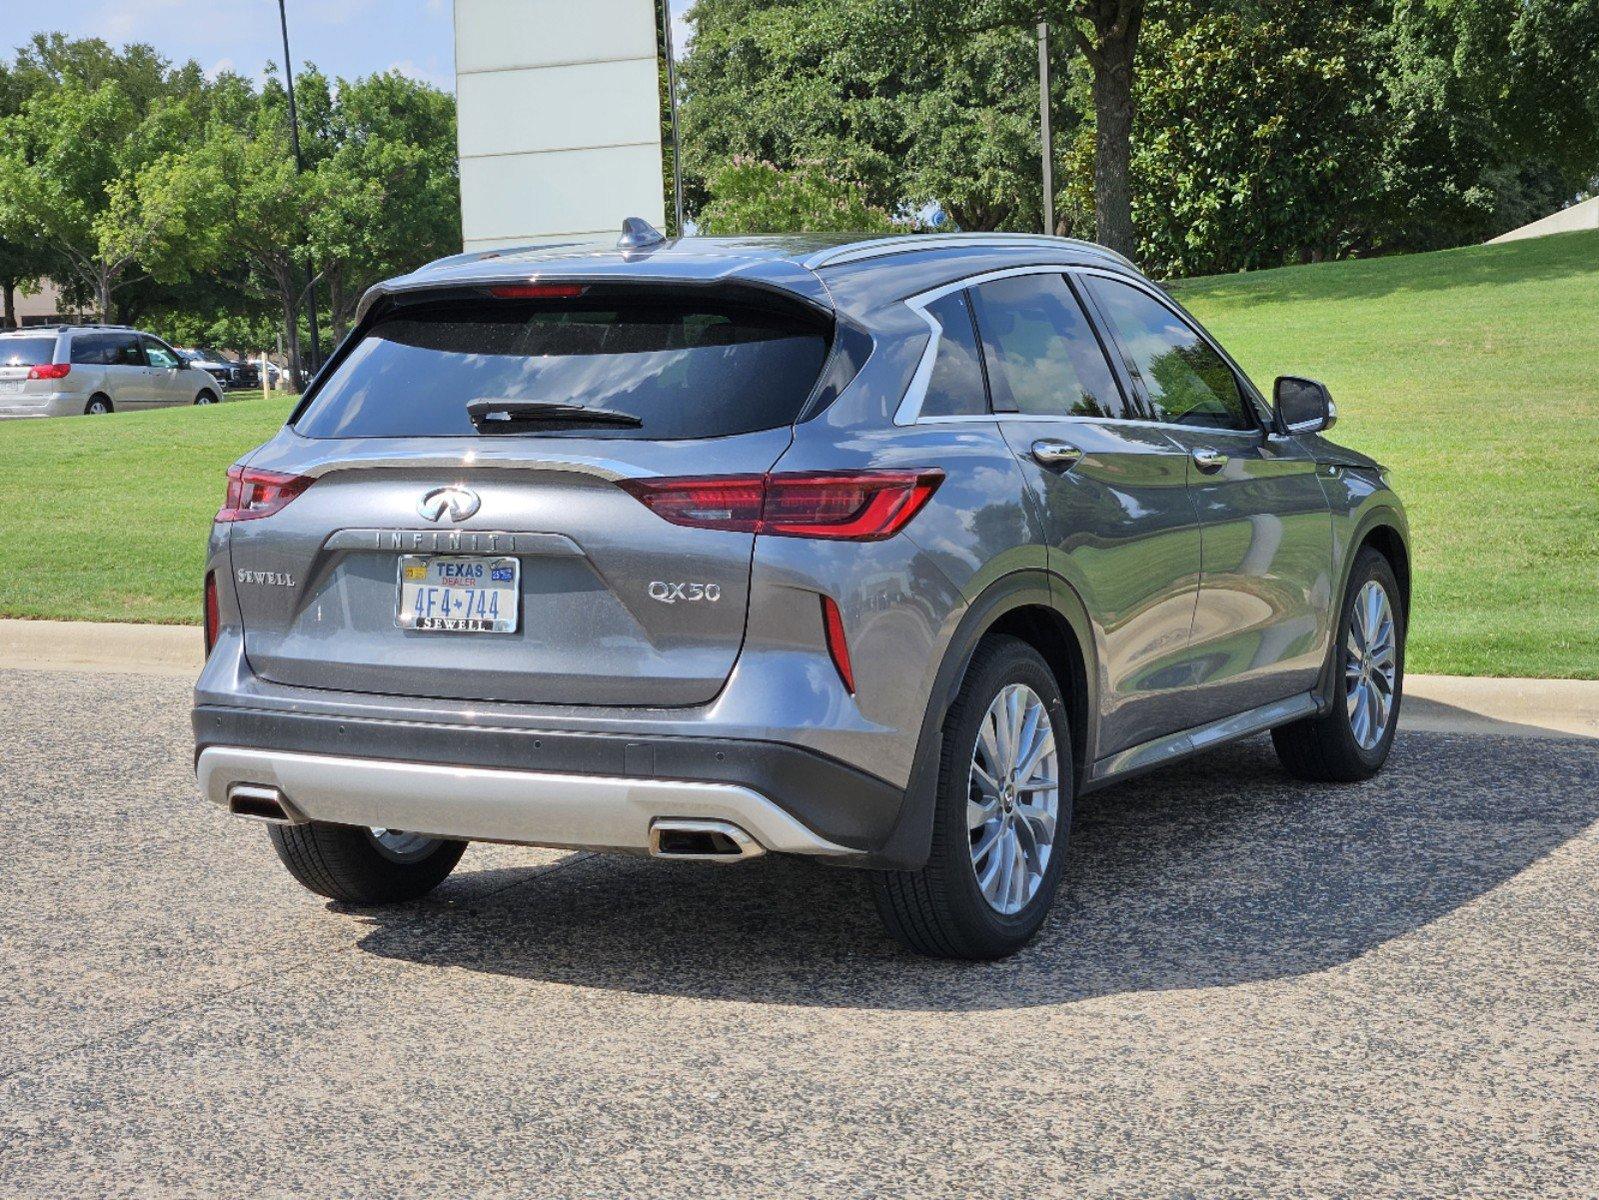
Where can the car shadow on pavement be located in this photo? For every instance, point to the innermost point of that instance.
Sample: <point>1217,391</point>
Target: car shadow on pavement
<point>1220,871</point>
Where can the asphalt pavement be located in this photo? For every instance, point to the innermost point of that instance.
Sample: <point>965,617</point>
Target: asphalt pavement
<point>1251,988</point>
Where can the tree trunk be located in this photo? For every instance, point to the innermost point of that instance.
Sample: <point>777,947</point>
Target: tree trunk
<point>1113,148</point>
<point>9,286</point>
<point>336,305</point>
<point>291,337</point>
<point>102,292</point>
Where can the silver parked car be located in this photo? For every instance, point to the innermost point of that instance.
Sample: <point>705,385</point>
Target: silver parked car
<point>74,369</point>
<point>880,552</point>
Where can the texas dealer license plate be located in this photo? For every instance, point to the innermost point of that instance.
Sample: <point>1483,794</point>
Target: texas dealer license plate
<point>457,594</point>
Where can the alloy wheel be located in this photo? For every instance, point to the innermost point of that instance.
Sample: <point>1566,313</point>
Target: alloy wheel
<point>1371,665</point>
<point>401,846</point>
<point>1013,798</point>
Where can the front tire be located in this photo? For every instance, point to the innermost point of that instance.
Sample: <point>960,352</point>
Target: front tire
<point>362,866</point>
<point>1351,741</point>
<point>1001,817</point>
<point>206,397</point>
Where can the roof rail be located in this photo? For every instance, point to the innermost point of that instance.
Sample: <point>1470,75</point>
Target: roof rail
<point>910,242</point>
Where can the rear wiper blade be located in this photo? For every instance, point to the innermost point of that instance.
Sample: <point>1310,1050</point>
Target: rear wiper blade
<point>492,416</point>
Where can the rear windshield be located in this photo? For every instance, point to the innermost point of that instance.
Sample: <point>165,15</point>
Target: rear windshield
<point>684,369</point>
<point>27,352</point>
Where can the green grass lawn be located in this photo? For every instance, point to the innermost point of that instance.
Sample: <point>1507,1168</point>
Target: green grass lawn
<point>106,518</point>
<point>1473,374</point>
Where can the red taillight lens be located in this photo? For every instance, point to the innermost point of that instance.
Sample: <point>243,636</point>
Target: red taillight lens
<point>863,506</point>
<point>50,371</point>
<point>213,612</point>
<point>255,494</point>
<point>727,502</point>
<point>837,646</point>
<point>538,291</point>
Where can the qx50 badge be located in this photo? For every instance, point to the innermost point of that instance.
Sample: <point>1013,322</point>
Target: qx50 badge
<point>689,593</point>
<point>456,503</point>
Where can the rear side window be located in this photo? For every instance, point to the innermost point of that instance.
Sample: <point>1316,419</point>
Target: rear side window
<point>956,387</point>
<point>28,351</point>
<point>1043,358</point>
<point>1188,383</point>
<point>685,369</point>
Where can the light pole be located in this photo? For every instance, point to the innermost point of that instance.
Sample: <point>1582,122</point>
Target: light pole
<point>299,166</point>
<point>1045,130</point>
<point>671,98</point>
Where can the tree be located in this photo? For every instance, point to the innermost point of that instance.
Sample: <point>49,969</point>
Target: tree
<point>386,193</point>
<point>925,105</point>
<point>72,151</point>
<point>756,197</point>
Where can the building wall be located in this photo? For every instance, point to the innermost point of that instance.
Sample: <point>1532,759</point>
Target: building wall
<point>559,119</point>
<point>45,307</point>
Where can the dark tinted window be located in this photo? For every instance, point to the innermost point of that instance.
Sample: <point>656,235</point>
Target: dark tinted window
<point>685,369</point>
<point>94,349</point>
<point>27,351</point>
<point>1187,381</point>
<point>956,388</point>
<point>1042,354</point>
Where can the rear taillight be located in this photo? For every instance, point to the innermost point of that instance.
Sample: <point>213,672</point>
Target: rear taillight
<point>50,371</point>
<point>861,506</point>
<point>255,494</point>
<point>213,612</point>
<point>837,646</point>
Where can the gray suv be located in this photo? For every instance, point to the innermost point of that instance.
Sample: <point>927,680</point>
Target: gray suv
<point>75,369</point>
<point>879,552</point>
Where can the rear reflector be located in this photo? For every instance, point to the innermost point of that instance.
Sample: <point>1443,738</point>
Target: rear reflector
<point>538,291</point>
<point>255,494</point>
<point>50,371</point>
<point>213,612</point>
<point>837,646</point>
<point>861,506</point>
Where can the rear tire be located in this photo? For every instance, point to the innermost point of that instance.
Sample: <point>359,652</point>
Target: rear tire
<point>1342,746</point>
<point>353,865</point>
<point>98,405</point>
<point>946,909</point>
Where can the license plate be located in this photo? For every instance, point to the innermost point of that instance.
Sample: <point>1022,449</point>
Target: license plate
<point>10,387</point>
<point>442,593</point>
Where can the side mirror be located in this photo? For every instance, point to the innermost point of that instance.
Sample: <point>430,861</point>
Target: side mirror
<point>1302,405</point>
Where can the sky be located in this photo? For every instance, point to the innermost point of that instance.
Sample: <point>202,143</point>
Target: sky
<point>342,37</point>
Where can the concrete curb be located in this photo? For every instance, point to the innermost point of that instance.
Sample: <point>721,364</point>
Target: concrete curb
<point>1561,708</point>
<point>93,646</point>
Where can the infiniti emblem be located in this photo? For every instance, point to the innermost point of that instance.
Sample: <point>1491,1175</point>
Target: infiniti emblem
<point>456,503</point>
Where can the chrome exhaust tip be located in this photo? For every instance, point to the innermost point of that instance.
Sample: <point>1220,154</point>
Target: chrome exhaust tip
<point>703,841</point>
<point>257,802</point>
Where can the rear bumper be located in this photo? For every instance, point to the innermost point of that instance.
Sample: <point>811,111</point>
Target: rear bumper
<point>579,790</point>
<point>542,808</point>
<point>55,404</point>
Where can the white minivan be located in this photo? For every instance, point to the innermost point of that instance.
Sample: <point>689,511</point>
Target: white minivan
<point>72,369</point>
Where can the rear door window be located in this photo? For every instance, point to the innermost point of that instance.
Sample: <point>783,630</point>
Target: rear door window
<point>1187,382</point>
<point>685,369</point>
<point>956,388</point>
<point>125,350</point>
<point>1043,356</point>
<point>27,351</point>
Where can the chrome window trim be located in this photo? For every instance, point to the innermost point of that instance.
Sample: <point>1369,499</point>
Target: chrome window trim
<point>909,411</point>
